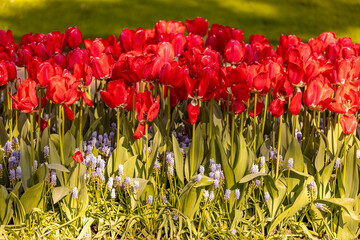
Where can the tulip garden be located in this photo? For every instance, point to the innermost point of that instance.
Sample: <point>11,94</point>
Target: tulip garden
<point>183,131</point>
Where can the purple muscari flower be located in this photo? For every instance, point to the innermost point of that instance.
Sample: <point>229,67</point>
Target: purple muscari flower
<point>7,147</point>
<point>46,151</point>
<point>121,169</point>
<point>156,165</point>
<point>212,175</point>
<point>18,172</point>
<point>53,178</point>
<point>169,157</point>
<point>111,135</point>
<point>272,154</point>
<point>312,186</point>
<point>113,126</point>
<point>206,195</point>
<point>218,167</point>
<point>36,164</point>
<point>75,192</point>
<point>266,196</point>
<point>337,163</point>
<point>212,167</point>
<point>118,180</point>
<point>227,194</point>
<point>150,200</point>
<point>233,232</point>
<point>13,162</point>
<point>16,153</point>
<point>126,183</point>
<point>12,174</point>
<point>212,161</point>
<point>211,196</point>
<point>201,170</point>
<point>110,183</point>
<point>175,217</point>
<point>136,185</point>
<point>237,194</point>
<point>100,138</point>
<point>217,174</point>
<point>113,194</point>
<point>216,183</point>
<point>163,199</point>
<point>257,183</point>
<point>254,168</point>
<point>94,134</point>
<point>105,136</point>
<point>198,178</point>
<point>298,135</point>
<point>290,162</point>
<point>89,149</point>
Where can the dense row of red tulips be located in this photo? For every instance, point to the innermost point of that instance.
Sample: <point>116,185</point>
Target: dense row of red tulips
<point>321,74</point>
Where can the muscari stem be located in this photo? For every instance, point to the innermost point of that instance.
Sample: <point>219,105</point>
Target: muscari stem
<point>278,149</point>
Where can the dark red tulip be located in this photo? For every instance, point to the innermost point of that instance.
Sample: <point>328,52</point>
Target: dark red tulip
<point>234,52</point>
<point>73,37</point>
<point>4,76</point>
<point>277,107</point>
<point>198,26</point>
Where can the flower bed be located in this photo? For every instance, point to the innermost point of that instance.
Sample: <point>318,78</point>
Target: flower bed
<point>162,134</point>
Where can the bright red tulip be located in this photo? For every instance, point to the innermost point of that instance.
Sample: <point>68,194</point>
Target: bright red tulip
<point>277,107</point>
<point>234,52</point>
<point>4,76</point>
<point>295,104</point>
<point>193,111</point>
<point>348,123</point>
<point>78,157</point>
<point>346,100</point>
<point>117,94</point>
<point>318,94</point>
<point>45,72</point>
<point>102,66</point>
<point>25,99</point>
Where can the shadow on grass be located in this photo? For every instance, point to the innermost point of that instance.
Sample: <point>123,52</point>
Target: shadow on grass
<point>304,18</point>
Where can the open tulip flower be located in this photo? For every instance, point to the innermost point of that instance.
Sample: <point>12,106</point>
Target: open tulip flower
<point>26,99</point>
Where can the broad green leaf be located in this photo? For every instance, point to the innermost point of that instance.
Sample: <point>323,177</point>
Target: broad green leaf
<point>276,201</point>
<point>179,160</point>
<point>57,166</point>
<point>26,164</point>
<point>244,159</point>
<point>333,137</point>
<point>191,201</point>
<point>55,158</point>
<point>69,147</point>
<point>59,193</point>
<point>129,166</point>
<point>294,151</point>
<point>345,203</point>
<point>3,205</point>
<point>351,183</point>
<point>228,172</point>
<point>319,160</point>
<point>33,197</point>
<point>192,167</point>
<point>142,185</point>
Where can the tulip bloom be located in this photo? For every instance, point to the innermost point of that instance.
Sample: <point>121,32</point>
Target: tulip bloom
<point>73,37</point>
<point>117,94</point>
<point>295,104</point>
<point>193,111</point>
<point>198,26</point>
<point>25,99</point>
<point>346,100</point>
<point>348,123</point>
<point>146,110</point>
<point>318,94</point>
<point>78,157</point>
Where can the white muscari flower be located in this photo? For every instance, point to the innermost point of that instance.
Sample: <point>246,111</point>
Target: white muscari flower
<point>216,183</point>
<point>113,194</point>
<point>150,200</point>
<point>198,178</point>
<point>266,196</point>
<point>75,192</point>
<point>337,163</point>
<point>262,162</point>
<point>321,206</point>
<point>136,185</point>
<point>233,232</point>
<point>212,161</point>
<point>206,195</point>
<point>110,183</point>
<point>358,153</point>
<point>163,199</point>
<point>227,194</point>
<point>171,170</point>
<point>53,178</point>
<point>211,196</point>
<point>254,168</point>
<point>201,170</point>
<point>237,194</point>
<point>290,163</point>
<point>121,169</point>
<point>257,183</point>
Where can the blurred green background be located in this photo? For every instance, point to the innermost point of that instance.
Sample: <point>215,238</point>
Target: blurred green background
<point>304,18</point>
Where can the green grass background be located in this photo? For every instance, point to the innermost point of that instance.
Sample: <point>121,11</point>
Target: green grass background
<point>304,18</point>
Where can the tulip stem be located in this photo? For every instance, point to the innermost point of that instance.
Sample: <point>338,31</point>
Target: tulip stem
<point>278,149</point>
<point>39,121</point>
<point>227,113</point>
<point>192,150</point>
<point>232,135</point>
<point>242,123</point>
<point>147,150</point>
<point>345,143</point>
<point>78,178</point>
<point>10,110</point>
<point>117,129</point>
<point>211,116</point>
<point>168,112</point>
<point>255,123</point>
<point>133,105</point>
<point>80,124</point>
<point>32,141</point>
<point>264,115</point>
<point>61,137</point>
<point>50,109</point>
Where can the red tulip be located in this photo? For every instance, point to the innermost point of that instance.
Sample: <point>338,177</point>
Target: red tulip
<point>346,100</point>
<point>4,76</point>
<point>45,72</point>
<point>318,94</point>
<point>96,47</point>
<point>78,157</point>
<point>234,52</point>
<point>101,66</point>
<point>73,37</point>
<point>348,123</point>
<point>277,107</point>
<point>295,104</point>
<point>165,31</point>
<point>193,111</point>
<point>198,26</point>
<point>117,94</point>
<point>25,99</point>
